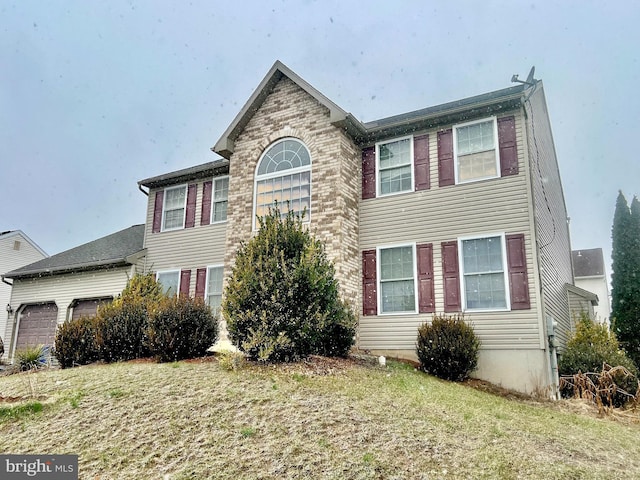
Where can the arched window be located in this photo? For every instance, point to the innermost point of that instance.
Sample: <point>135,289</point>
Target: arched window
<point>284,175</point>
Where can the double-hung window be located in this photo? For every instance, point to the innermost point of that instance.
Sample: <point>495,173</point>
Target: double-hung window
<point>395,166</point>
<point>476,150</point>
<point>170,281</point>
<point>483,261</point>
<point>284,176</point>
<point>397,274</point>
<point>213,292</point>
<point>219,203</point>
<point>174,206</point>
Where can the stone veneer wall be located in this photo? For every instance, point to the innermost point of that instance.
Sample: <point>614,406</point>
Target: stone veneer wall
<point>335,178</point>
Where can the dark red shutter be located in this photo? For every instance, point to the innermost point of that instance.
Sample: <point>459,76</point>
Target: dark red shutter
<point>205,217</point>
<point>451,276</point>
<point>191,206</point>
<point>157,212</point>
<point>421,161</point>
<point>507,144</point>
<point>201,279</point>
<point>426,295</point>
<point>518,278</point>
<point>446,170</point>
<point>185,282</point>
<point>368,172</point>
<point>369,283</point>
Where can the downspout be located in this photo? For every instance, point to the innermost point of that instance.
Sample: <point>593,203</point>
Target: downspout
<point>8,283</point>
<point>142,190</point>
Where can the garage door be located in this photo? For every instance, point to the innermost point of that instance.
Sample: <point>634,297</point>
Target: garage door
<point>88,308</point>
<point>37,325</point>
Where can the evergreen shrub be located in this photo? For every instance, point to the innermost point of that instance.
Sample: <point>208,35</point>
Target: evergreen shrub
<point>448,347</point>
<point>181,327</point>
<point>75,342</point>
<point>282,300</point>
<point>121,331</point>
<point>121,327</point>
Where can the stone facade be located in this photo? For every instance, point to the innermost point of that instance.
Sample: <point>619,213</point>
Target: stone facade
<point>288,111</point>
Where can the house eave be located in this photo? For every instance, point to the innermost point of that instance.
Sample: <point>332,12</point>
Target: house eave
<point>438,117</point>
<point>80,267</point>
<point>206,170</point>
<point>587,295</point>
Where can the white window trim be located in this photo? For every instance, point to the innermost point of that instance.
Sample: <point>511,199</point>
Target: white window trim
<point>267,176</point>
<point>213,201</point>
<point>495,143</point>
<point>505,271</point>
<point>184,207</point>
<point>206,284</point>
<point>412,161</point>
<point>165,272</point>
<point>379,279</point>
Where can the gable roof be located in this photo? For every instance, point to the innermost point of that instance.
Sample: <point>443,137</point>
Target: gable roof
<point>581,292</point>
<point>112,250</point>
<point>588,263</point>
<point>20,233</point>
<point>209,169</point>
<point>225,145</point>
<point>403,124</point>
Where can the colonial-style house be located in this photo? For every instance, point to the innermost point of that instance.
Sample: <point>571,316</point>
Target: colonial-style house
<point>456,208</point>
<point>68,285</point>
<point>452,208</point>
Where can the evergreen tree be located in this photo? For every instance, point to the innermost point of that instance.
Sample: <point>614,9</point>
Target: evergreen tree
<point>625,278</point>
<point>282,301</point>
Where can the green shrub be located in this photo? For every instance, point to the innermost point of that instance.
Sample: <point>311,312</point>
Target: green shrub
<point>591,348</point>
<point>181,327</point>
<point>231,361</point>
<point>121,331</point>
<point>75,342</point>
<point>122,326</point>
<point>31,357</point>
<point>141,288</point>
<point>448,347</point>
<point>282,300</point>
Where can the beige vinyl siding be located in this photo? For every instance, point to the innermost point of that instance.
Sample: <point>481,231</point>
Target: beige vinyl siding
<point>552,230</point>
<point>11,259</point>
<point>63,289</point>
<point>577,305</point>
<point>187,248</point>
<point>437,215</point>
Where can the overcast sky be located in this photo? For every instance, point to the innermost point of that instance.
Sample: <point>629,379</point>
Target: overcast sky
<point>96,95</point>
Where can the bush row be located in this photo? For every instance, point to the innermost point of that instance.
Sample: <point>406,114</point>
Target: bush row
<point>142,322</point>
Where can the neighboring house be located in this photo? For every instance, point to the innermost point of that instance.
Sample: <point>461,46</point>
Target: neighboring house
<point>453,208</point>
<point>16,250</point>
<point>590,274</point>
<point>68,285</point>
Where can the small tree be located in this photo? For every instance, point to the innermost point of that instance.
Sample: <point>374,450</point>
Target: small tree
<point>282,301</point>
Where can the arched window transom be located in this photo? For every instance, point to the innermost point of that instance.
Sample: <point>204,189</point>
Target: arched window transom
<point>284,176</point>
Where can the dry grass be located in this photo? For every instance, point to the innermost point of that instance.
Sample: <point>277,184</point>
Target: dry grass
<point>329,419</point>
